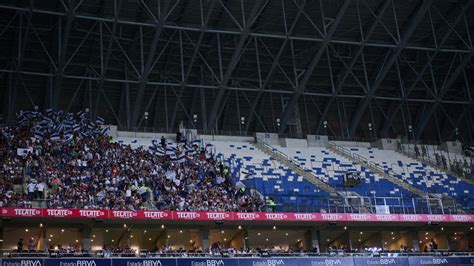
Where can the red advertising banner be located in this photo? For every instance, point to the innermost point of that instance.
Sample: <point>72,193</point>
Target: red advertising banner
<point>233,216</point>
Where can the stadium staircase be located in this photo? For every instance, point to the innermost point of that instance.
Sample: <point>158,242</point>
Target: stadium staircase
<point>342,151</point>
<point>288,162</point>
<point>432,163</point>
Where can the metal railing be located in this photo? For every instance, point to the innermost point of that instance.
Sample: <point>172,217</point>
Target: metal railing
<point>226,253</point>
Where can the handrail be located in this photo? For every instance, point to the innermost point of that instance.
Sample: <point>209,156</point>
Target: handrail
<point>378,168</point>
<point>288,158</point>
<point>433,164</point>
<point>235,253</point>
<point>297,166</point>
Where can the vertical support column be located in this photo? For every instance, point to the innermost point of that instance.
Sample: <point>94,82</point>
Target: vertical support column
<point>414,240</point>
<point>297,120</point>
<point>86,237</point>
<point>313,240</point>
<point>245,235</point>
<point>205,240</point>
<point>1,235</point>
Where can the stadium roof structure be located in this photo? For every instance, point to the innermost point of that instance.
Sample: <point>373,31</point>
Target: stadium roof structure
<point>296,67</point>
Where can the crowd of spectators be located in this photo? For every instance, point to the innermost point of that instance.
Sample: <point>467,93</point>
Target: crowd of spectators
<point>68,161</point>
<point>461,166</point>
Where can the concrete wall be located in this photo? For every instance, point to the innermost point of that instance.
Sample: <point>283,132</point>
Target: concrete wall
<point>293,143</point>
<point>452,147</point>
<point>385,144</point>
<point>317,140</point>
<point>150,135</point>
<point>112,131</point>
<point>353,144</point>
<point>269,138</point>
<point>226,138</point>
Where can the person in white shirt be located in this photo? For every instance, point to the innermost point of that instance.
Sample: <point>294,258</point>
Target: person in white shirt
<point>40,190</point>
<point>31,190</point>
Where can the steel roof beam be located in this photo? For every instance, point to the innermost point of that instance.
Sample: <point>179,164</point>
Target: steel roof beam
<point>314,62</point>
<point>147,70</point>
<point>416,19</point>
<point>257,9</point>
<point>274,65</point>
<point>427,114</point>
<point>419,75</point>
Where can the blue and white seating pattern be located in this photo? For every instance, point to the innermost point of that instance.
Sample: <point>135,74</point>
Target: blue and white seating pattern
<point>419,175</point>
<point>256,170</point>
<point>331,168</point>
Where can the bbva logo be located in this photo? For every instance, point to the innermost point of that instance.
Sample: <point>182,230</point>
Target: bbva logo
<point>381,262</point>
<point>268,263</point>
<point>144,263</point>
<point>22,263</point>
<point>208,263</point>
<point>78,263</point>
<point>327,262</point>
<point>434,261</point>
